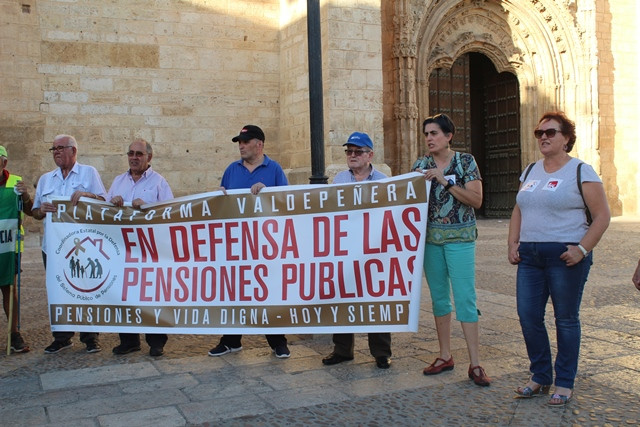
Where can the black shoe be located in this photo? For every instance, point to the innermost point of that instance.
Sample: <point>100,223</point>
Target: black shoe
<point>156,351</point>
<point>56,346</point>
<point>335,358</point>
<point>383,362</point>
<point>221,349</point>
<point>125,349</point>
<point>93,347</point>
<point>17,343</point>
<point>282,351</point>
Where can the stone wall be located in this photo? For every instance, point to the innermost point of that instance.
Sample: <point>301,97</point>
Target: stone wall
<point>186,76</point>
<point>354,79</point>
<point>294,92</point>
<point>619,93</point>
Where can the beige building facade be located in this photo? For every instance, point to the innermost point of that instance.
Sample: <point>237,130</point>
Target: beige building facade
<point>187,75</point>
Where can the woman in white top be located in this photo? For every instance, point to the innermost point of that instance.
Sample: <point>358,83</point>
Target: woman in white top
<point>551,237</point>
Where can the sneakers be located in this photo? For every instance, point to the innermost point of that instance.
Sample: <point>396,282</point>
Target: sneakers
<point>125,349</point>
<point>223,349</point>
<point>56,346</point>
<point>282,351</point>
<point>93,347</point>
<point>17,343</point>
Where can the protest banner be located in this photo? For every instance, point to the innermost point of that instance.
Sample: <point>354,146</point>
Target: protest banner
<point>296,259</point>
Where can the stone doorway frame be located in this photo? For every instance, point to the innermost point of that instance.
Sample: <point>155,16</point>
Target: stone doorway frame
<point>539,41</point>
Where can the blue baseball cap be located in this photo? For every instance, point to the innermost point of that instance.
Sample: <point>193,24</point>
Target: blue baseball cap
<point>359,139</point>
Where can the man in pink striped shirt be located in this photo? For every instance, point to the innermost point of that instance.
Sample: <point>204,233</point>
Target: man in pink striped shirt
<point>139,185</point>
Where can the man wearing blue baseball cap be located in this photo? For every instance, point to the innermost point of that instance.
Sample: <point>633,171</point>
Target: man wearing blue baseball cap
<point>359,155</point>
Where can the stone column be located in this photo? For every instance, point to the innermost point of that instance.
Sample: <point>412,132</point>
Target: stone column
<point>405,110</point>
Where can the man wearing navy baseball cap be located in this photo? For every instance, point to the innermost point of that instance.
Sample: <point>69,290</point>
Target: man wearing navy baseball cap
<point>248,133</point>
<point>255,170</point>
<point>359,155</point>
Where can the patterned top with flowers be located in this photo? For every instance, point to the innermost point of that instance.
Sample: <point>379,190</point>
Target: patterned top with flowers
<point>449,220</point>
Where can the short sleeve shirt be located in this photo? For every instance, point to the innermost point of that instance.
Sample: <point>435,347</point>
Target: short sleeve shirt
<point>449,220</point>
<point>550,204</point>
<point>269,173</point>
<point>80,178</point>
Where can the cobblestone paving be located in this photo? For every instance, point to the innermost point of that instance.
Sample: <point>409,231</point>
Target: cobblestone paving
<point>253,388</point>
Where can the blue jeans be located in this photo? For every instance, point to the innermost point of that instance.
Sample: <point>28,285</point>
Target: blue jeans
<point>542,274</point>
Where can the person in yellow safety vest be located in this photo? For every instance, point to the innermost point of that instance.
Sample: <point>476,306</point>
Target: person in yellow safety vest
<point>11,188</point>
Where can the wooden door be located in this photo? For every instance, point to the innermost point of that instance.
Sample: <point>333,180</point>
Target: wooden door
<point>449,93</point>
<point>501,141</point>
<point>485,107</point>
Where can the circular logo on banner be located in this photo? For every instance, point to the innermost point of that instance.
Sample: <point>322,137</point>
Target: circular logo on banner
<point>87,266</point>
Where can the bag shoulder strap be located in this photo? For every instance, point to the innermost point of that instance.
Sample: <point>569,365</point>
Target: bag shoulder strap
<point>579,181</point>
<point>526,173</point>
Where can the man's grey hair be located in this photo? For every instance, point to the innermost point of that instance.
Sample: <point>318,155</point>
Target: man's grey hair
<point>147,145</point>
<point>71,141</point>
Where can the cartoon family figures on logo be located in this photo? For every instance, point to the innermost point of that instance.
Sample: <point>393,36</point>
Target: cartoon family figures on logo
<point>84,271</point>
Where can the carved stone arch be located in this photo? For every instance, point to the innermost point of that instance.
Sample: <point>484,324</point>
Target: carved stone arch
<point>537,40</point>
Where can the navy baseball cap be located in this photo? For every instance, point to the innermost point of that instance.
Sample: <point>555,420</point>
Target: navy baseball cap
<point>249,132</point>
<point>359,139</point>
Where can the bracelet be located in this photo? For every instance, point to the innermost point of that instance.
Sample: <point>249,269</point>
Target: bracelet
<point>583,250</point>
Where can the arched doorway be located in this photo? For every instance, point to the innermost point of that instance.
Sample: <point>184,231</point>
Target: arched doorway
<point>485,106</point>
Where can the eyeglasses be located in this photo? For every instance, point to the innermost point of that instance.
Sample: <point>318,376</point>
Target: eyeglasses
<point>358,153</point>
<point>59,148</point>
<point>550,132</point>
<point>135,153</point>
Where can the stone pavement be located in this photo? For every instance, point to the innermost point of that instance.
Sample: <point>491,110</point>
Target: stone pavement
<point>253,388</point>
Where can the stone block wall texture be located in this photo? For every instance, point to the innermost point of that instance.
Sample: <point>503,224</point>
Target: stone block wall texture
<point>186,76</point>
<point>354,81</point>
<point>294,92</point>
<point>618,24</point>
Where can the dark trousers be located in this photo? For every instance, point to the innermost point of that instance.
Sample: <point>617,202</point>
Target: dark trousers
<point>235,341</point>
<point>379,344</point>
<point>154,340</point>
<point>85,337</point>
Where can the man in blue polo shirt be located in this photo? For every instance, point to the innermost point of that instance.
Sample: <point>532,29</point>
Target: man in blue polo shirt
<point>255,170</point>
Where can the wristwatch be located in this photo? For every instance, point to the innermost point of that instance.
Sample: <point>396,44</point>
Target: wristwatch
<point>450,184</point>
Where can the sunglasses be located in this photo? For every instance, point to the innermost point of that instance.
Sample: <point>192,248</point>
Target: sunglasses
<point>358,153</point>
<point>135,153</point>
<point>550,132</point>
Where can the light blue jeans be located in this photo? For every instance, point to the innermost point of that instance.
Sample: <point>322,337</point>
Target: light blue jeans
<point>452,267</point>
<point>542,274</point>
